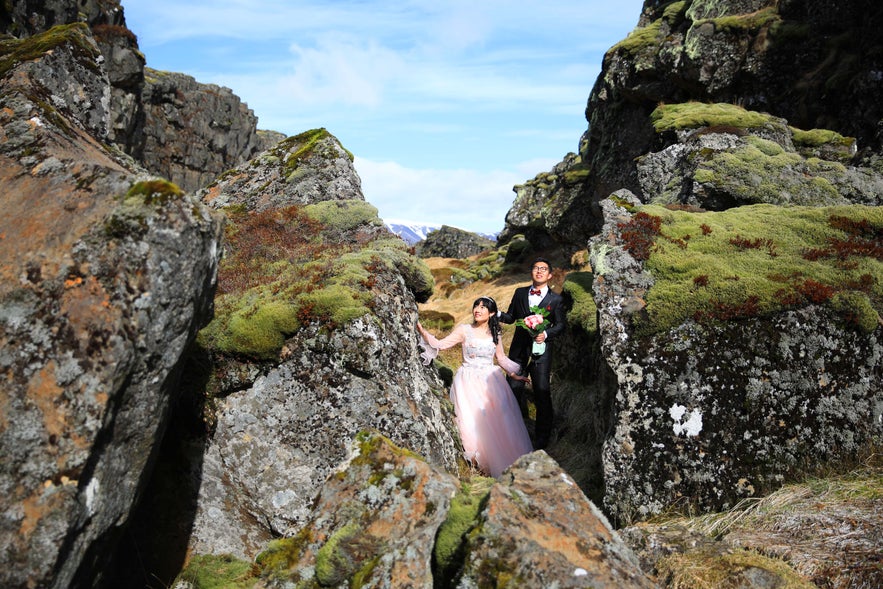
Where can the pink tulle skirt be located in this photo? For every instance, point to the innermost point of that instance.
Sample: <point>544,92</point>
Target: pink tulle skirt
<point>488,418</point>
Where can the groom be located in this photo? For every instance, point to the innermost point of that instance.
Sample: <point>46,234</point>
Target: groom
<point>538,294</point>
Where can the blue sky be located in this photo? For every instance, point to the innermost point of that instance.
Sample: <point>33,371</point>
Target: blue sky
<point>445,104</point>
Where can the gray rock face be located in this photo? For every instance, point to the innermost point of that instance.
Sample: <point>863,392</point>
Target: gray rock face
<point>192,132</point>
<point>548,209</point>
<point>781,58</point>
<point>107,274</point>
<point>376,519</point>
<point>539,530</point>
<point>745,53</point>
<point>308,168</point>
<point>713,412</point>
<point>73,78</point>
<point>278,440</point>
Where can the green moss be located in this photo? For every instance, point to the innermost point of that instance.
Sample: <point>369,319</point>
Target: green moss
<point>817,137</point>
<point>462,517</point>
<point>370,442</point>
<point>693,115</point>
<point>304,145</point>
<point>218,572</point>
<point>741,23</point>
<point>282,554</point>
<point>674,12</point>
<point>640,39</point>
<point>576,175</point>
<point>762,172</point>
<point>363,575</point>
<point>16,51</point>
<point>700,271</point>
<point>333,564</point>
<point>249,326</point>
<point>336,303</point>
<point>621,202</point>
<point>153,192</point>
<point>856,307</point>
<point>285,269</point>
<point>578,285</point>
<point>343,215</point>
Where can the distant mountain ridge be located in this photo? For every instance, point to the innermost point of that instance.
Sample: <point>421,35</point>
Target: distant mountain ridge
<point>413,232</point>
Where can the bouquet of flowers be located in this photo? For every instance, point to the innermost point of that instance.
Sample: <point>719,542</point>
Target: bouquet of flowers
<point>535,324</point>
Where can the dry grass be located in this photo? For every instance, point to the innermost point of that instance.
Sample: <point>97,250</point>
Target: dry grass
<point>827,529</point>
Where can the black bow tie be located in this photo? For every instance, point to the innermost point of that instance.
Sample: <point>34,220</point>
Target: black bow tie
<point>536,291</point>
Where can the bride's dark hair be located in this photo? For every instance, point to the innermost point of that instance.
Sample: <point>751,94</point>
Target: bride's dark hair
<point>493,321</point>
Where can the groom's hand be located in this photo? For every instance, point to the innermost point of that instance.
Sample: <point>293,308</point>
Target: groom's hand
<point>540,338</point>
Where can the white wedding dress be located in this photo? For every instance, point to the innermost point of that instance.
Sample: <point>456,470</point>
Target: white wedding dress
<point>487,413</point>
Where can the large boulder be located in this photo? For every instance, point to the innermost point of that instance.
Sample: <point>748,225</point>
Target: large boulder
<point>313,341</point>
<point>387,518</point>
<point>107,275</point>
<point>782,58</point>
<point>733,369</point>
<point>191,132</point>
<point>717,156</point>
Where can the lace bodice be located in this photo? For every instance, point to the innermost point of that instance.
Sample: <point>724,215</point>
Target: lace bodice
<point>479,350</point>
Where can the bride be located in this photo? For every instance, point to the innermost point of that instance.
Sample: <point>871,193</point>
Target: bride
<point>487,413</point>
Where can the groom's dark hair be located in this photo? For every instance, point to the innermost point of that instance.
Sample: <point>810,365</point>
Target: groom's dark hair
<point>544,260</point>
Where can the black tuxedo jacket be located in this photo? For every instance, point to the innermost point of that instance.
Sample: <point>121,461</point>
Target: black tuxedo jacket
<point>519,308</point>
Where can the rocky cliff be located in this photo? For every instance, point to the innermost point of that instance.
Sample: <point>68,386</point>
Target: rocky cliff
<point>173,125</point>
<point>108,273</point>
<point>812,65</point>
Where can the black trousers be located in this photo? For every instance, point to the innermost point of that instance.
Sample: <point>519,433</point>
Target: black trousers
<point>539,372</point>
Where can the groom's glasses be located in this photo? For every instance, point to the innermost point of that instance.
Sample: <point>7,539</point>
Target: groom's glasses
<point>540,268</point>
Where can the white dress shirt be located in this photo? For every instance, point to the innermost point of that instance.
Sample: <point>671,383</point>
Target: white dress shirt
<point>534,300</point>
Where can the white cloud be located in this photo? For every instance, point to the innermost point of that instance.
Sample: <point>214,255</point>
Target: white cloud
<point>340,71</point>
<point>446,105</point>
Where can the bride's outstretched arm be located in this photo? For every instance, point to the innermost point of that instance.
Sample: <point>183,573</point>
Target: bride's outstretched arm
<point>511,367</point>
<point>431,345</point>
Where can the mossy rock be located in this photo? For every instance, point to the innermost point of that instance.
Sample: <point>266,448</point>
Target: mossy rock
<point>343,215</point>
<point>584,313</point>
<point>740,24</point>
<point>153,192</point>
<point>762,259</point>
<point>16,51</point>
<point>289,267</point>
<point>693,115</point>
<point>763,172</point>
<point>450,542</point>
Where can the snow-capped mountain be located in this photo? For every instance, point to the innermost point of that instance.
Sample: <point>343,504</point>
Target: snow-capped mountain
<point>412,232</point>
